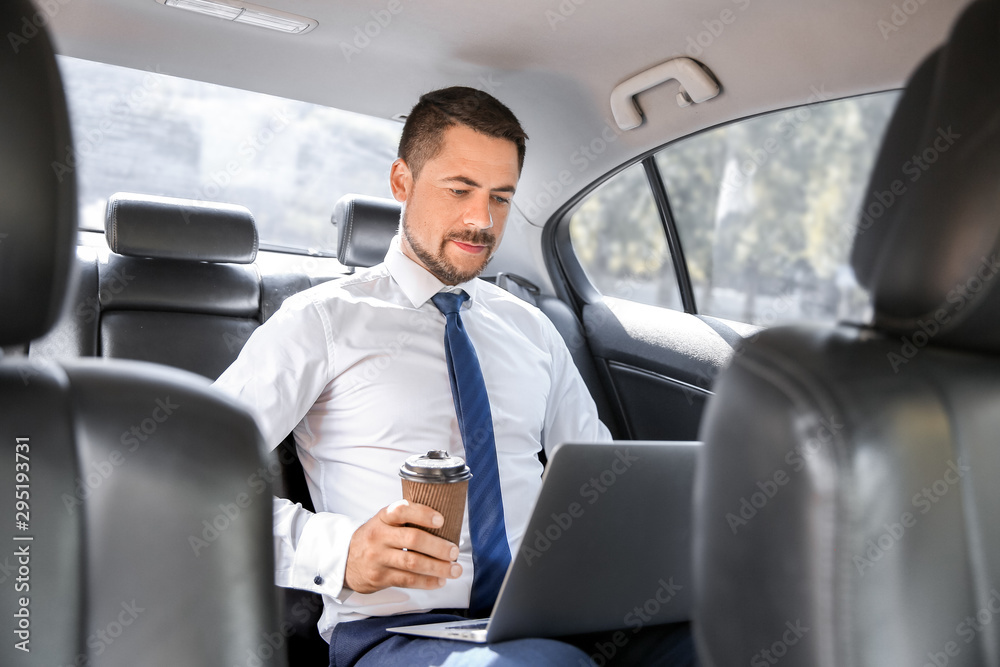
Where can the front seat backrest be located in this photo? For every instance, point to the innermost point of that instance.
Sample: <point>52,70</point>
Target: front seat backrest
<point>139,534</point>
<point>846,500</point>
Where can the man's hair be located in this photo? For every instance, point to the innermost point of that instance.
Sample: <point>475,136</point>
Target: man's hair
<point>438,110</point>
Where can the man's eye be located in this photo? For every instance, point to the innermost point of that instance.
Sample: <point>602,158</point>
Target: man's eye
<point>458,192</point>
<point>503,201</point>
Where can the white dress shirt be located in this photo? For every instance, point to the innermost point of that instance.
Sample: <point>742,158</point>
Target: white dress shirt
<point>356,369</point>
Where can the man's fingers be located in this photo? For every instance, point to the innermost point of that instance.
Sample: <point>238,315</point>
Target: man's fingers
<point>403,512</point>
<point>403,579</point>
<point>386,552</point>
<point>415,539</point>
<point>419,564</point>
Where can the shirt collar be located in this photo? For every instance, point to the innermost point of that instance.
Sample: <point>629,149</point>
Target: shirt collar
<point>417,283</point>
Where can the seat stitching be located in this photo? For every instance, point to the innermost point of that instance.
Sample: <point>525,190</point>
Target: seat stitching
<point>114,224</point>
<point>350,228</point>
<point>256,238</point>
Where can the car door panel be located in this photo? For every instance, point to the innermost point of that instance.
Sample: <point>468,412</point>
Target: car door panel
<point>659,363</point>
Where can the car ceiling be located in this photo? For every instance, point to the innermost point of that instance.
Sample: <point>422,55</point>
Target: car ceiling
<point>554,62</point>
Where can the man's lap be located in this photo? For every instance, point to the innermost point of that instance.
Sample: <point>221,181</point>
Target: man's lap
<point>419,652</point>
<point>365,644</point>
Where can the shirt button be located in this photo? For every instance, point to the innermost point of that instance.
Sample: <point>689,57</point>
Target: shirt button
<point>318,580</point>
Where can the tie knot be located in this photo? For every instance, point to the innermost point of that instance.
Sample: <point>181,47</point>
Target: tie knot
<point>449,302</point>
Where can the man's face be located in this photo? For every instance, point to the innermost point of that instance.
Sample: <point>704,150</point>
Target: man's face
<point>455,210</point>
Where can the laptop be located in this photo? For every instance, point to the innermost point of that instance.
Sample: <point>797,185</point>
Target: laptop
<point>608,547</point>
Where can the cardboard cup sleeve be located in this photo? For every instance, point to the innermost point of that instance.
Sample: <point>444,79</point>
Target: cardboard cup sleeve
<point>449,499</point>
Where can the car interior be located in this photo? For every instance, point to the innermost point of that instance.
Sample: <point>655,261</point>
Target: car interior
<point>765,225</point>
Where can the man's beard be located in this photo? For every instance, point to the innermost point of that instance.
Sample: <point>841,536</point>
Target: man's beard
<point>438,264</point>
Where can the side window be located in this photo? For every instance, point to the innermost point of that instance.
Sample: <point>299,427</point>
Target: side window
<point>619,239</point>
<point>766,209</point>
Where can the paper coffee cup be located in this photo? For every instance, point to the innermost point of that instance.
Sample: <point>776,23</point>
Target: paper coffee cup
<point>440,481</point>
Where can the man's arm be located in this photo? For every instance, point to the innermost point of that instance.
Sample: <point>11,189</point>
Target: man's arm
<point>310,550</point>
<point>332,554</point>
<point>282,368</point>
<point>571,414</point>
<point>281,371</point>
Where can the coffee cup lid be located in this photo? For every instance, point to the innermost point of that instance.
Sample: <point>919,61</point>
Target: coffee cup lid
<point>436,466</point>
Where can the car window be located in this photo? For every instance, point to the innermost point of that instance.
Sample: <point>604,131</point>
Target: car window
<point>287,161</point>
<point>619,239</point>
<point>764,208</point>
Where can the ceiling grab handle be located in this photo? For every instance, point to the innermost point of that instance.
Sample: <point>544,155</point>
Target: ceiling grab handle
<point>696,85</point>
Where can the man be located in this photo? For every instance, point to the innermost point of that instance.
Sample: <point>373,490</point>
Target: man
<point>359,370</point>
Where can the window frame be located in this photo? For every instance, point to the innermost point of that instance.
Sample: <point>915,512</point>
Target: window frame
<point>570,279</point>
<point>655,181</point>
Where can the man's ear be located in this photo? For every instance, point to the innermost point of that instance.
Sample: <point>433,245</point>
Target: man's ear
<point>400,180</point>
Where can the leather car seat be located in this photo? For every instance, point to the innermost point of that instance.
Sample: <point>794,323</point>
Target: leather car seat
<point>131,490</point>
<point>846,500</point>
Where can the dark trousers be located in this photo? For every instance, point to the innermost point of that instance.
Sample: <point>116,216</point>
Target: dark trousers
<point>365,642</point>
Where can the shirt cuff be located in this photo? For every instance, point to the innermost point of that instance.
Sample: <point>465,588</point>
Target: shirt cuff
<point>321,555</point>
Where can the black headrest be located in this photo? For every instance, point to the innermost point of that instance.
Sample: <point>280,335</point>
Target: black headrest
<point>365,227</point>
<point>927,243</point>
<point>37,206</point>
<point>169,228</point>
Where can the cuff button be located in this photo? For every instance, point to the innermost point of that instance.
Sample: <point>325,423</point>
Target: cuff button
<point>318,580</point>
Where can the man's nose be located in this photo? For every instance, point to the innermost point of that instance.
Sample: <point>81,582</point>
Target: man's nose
<point>479,215</point>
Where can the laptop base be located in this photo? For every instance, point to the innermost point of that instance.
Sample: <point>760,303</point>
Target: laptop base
<point>473,630</point>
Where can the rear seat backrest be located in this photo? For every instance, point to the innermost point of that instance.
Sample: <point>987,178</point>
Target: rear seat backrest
<point>365,227</point>
<point>177,288</point>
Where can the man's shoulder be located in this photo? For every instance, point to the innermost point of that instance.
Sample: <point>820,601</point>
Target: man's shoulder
<point>517,312</point>
<point>497,298</point>
<point>346,289</point>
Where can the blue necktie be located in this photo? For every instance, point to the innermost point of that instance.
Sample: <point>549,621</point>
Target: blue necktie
<point>490,553</point>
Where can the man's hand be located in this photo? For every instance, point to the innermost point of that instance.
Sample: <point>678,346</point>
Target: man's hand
<point>376,558</point>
